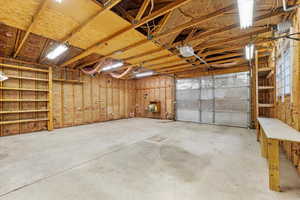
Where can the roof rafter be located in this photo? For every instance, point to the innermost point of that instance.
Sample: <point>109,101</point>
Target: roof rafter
<point>201,36</point>
<point>142,10</point>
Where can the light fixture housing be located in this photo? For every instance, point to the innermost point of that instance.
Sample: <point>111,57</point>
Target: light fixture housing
<point>249,51</point>
<point>246,9</point>
<point>3,77</point>
<point>59,50</point>
<point>113,66</point>
<point>144,74</point>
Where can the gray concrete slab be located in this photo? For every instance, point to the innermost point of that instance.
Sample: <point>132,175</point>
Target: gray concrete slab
<point>139,159</point>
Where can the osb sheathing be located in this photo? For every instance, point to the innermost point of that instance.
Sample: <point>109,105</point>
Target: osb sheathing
<point>289,110</point>
<point>159,89</point>
<point>59,20</point>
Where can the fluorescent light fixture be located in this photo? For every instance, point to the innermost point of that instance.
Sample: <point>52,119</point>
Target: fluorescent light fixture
<point>246,9</point>
<point>144,74</point>
<point>249,51</point>
<point>60,49</point>
<point>3,77</point>
<point>113,66</point>
<point>59,1</point>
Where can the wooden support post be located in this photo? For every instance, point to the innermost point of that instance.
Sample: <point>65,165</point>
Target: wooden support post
<point>255,88</point>
<point>258,132</point>
<point>50,101</point>
<point>263,144</point>
<point>273,157</point>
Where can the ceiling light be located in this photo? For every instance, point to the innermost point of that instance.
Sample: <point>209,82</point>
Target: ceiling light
<point>59,1</point>
<point>3,77</point>
<point>188,51</point>
<point>113,66</point>
<point>60,49</point>
<point>144,74</point>
<point>249,51</point>
<point>246,9</point>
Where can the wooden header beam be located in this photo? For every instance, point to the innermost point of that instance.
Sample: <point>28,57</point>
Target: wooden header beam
<point>213,72</point>
<point>150,17</point>
<point>35,18</point>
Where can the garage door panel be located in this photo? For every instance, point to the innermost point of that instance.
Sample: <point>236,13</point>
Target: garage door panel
<point>188,115</point>
<point>231,118</point>
<point>221,99</point>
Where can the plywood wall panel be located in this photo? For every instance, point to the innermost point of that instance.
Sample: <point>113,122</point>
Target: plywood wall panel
<point>57,109</point>
<point>158,88</point>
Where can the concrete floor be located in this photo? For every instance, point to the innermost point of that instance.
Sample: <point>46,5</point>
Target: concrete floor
<point>138,159</point>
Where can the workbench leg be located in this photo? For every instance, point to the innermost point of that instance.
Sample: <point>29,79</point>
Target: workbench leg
<point>273,158</point>
<point>263,144</point>
<point>258,132</point>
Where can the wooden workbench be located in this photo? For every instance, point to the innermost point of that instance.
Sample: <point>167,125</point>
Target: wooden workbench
<point>270,132</point>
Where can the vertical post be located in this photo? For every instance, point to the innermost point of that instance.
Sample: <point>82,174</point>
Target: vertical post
<point>255,88</point>
<point>273,158</point>
<point>258,133</point>
<point>263,144</point>
<point>50,100</point>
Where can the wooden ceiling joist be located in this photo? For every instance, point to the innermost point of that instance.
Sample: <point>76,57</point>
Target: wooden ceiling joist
<point>162,23</point>
<point>188,66</point>
<point>142,10</point>
<point>206,34</point>
<point>107,6</point>
<point>146,19</point>
<point>194,22</point>
<point>233,48</point>
<point>251,35</point>
<point>196,73</point>
<point>35,18</point>
<point>230,55</point>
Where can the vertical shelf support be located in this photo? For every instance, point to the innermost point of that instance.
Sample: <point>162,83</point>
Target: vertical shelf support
<point>50,100</point>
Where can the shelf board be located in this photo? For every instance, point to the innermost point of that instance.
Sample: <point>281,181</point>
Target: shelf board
<point>265,105</point>
<point>22,111</point>
<point>23,89</point>
<point>69,81</point>
<point>265,87</point>
<point>22,121</point>
<point>265,69</point>
<point>23,100</point>
<point>27,78</point>
<point>23,68</point>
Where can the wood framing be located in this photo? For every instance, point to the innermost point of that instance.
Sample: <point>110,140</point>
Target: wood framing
<point>35,18</point>
<point>142,10</point>
<point>146,19</point>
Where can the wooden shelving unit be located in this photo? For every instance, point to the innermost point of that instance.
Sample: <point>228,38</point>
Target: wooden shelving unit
<point>21,90</point>
<point>264,88</point>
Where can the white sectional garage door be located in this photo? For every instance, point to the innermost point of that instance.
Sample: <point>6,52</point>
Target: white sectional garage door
<point>221,99</point>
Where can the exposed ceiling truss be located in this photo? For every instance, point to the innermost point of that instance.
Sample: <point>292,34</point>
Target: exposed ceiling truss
<point>213,33</point>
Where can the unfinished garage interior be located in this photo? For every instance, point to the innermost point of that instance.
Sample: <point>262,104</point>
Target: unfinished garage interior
<point>150,99</point>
